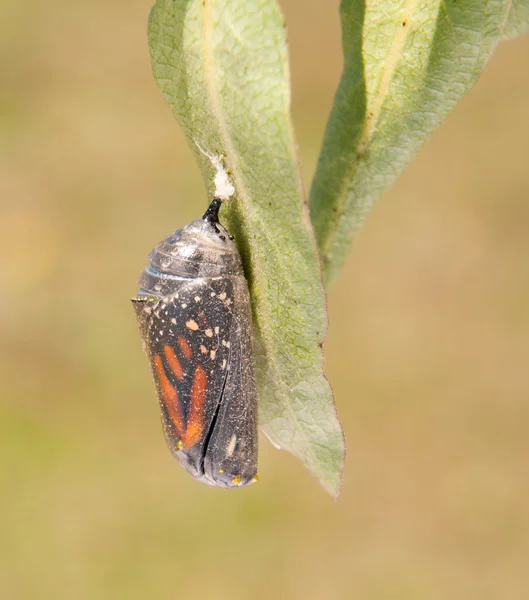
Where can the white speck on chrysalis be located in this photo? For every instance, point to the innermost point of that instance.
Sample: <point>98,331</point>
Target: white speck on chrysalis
<point>231,446</point>
<point>223,186</point>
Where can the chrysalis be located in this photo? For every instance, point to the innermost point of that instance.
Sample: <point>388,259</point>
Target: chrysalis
<point>193,311</point>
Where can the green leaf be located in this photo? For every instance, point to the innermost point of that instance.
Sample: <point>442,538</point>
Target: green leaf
<point>517,21</point>
<point>406,65</point>
<point>222,66</point>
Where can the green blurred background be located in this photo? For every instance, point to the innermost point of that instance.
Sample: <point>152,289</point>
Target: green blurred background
<point>428,347</point>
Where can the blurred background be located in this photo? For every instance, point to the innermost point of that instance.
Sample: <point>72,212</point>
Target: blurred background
<point>428,347</point>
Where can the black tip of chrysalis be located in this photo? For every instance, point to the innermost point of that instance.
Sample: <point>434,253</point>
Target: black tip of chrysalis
<point>212,213</point>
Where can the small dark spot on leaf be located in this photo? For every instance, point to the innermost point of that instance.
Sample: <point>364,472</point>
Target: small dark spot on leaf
<point>325,258</point>
<point>404,23</point>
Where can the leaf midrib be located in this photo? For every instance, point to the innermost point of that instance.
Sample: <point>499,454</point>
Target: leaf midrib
<point>373,113</point>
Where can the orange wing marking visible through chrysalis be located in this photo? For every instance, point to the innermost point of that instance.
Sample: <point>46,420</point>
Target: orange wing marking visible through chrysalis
<point>184,346</point>
<point>191,433</point>
<point>195,421</point>
<point>173,361</point>
<point>169,397</point>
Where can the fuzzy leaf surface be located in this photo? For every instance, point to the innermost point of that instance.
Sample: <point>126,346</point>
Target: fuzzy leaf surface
<point>223,68</point>
<point>407,63</point>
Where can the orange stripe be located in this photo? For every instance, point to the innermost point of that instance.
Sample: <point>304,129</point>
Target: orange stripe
<point>169,396</point>
<point>184,346</point>
<point>173,361</point>
<point>195,422</point>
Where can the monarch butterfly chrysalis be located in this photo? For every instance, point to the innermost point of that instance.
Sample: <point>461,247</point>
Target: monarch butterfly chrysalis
<point>193,311</point>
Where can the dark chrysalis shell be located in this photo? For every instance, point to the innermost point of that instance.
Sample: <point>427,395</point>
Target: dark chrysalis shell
<point>193,311</point>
